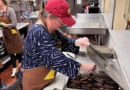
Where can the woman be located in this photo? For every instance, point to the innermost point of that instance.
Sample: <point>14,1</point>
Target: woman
<point>11,36</point>
<point>41,57</point>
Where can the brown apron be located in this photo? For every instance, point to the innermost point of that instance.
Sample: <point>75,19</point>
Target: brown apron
<point>37,78</point>
<point>11,36</point>
<point>1,65</point>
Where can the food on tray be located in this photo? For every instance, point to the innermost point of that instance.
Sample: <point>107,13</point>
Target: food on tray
<point>93,83</point>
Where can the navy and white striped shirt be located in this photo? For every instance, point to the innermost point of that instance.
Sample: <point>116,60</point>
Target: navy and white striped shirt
<point>40,49</point>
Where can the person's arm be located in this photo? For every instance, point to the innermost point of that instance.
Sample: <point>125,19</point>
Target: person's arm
<point>68,44</point>
<point>12,17</point>
<point>54,59</point>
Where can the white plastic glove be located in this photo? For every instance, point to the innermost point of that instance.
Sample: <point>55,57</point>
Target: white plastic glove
<point>82,42</point>
<point>88,67</point>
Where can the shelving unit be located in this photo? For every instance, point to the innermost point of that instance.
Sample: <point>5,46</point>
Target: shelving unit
<point>5,59</point>
<point>20,7</point>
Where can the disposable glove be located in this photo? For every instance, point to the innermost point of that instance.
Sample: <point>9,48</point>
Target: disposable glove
<point>1,25</point>
<point>82,42</point>
<point>88,67</point>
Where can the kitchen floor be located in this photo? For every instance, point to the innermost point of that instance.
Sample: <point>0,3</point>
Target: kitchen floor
<point>6,76</point>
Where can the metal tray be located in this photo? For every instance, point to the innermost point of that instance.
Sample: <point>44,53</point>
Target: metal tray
<point>110,66</point>
<point>103,75</point>
<point>106,51</point>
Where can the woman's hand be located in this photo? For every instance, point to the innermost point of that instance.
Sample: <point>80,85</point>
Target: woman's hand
<point>3,25</point>
<point>88,67</point>
<point>82,42</point>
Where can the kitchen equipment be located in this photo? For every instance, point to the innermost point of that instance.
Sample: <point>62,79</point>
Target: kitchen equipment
<point>91,73</point>
<point>87,24</point>
<point>97,51</point>
<point>108,65</point>
<point>82,80</point>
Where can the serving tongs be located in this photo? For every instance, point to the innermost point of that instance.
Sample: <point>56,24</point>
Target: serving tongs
<point>91,73</point>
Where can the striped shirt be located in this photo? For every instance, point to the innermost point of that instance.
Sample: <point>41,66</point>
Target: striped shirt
<point>40,49</point>
<point>12,16</point>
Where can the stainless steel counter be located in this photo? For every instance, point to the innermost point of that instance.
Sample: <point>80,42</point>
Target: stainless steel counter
<point>121,44</point>
<point>89,16</point>
<point>107,18</point>
<point>34,17</point>
<point>91,24</point>
<point>90,21</point>
<point>19,26</point>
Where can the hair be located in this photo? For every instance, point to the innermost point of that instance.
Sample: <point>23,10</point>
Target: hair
<point>43,15</point>
<point>5,2</point>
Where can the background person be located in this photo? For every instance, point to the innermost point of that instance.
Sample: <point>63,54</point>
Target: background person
<point>11,36</point>
<point>41,56</point>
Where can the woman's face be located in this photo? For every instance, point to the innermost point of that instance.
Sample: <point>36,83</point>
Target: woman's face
<point>1,3</point>
<point>55,24</point>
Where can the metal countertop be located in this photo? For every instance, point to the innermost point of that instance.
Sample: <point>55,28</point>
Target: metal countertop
<point>88,24</point>
<point>89,21</point>
<point>122,48</point>
<point>34,16</point>
<point>89,16</point>
<point>19,26</point>
<point>107,18</point>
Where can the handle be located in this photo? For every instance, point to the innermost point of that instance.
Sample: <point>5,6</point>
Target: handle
<point>93,70</point>
<point>94,67</point>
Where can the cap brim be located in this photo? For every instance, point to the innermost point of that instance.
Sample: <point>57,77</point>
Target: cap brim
<point>69,21</point>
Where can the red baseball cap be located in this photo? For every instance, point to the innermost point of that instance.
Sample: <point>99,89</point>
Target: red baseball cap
<point>61,9</point>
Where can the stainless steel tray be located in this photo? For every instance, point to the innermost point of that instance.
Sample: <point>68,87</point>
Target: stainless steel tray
<point>106,51</point>
<point>103,75</point>
<point>109,66</point>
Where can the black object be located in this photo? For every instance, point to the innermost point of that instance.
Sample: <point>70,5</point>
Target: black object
<point>1,25</point>
<point>93,70</point>
<point>93,1</point>
<point>95,4</point>
<point>94,10</point>
<point>0,86</point>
